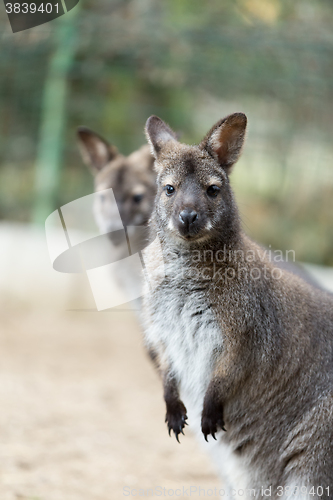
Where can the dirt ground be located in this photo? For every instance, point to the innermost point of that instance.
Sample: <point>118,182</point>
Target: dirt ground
<point>82,415</point>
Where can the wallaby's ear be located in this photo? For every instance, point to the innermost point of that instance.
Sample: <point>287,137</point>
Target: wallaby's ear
<point>158,134</point>
<point>96,152</point>
<point>225,140</point>
<point>149,159</point>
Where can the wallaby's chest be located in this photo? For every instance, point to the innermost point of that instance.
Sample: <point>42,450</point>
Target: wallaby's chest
<point>185,325</point>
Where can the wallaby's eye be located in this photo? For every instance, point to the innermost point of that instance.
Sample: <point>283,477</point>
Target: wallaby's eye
<point>213,191</point>
<point>169,189</point>
<point>137,198</point>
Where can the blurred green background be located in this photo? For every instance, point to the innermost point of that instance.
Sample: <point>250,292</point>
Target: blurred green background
<point>109,64</point>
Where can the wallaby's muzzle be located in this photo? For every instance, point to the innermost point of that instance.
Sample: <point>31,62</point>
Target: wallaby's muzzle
<point>188,217</point>
<point>188,223</point>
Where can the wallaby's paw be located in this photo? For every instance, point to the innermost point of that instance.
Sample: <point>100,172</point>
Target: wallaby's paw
<point>176,418</point>
<point>212,419</point>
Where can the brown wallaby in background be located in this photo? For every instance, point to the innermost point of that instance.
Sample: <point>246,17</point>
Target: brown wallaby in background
<point>133,181</point>
<point>244,348</point>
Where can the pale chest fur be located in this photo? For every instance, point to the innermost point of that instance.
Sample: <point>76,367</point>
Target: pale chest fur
<point>183,329</point>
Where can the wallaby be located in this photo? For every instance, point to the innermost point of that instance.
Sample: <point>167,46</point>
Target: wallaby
<point>133,181</point>
<point>244,348</point>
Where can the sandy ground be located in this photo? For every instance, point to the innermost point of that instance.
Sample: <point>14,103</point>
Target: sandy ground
<point>82,414</point>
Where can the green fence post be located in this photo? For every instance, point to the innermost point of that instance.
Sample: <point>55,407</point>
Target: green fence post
<point>53,118</point>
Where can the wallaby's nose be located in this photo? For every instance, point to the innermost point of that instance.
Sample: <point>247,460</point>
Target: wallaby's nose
<point>188,216</point>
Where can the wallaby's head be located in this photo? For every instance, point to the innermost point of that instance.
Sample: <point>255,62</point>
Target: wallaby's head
<point>194,199</point>
<point>132,179</point>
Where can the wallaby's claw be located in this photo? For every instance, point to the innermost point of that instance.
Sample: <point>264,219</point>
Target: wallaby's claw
<point>176,419</point>
<point>212,420</point>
